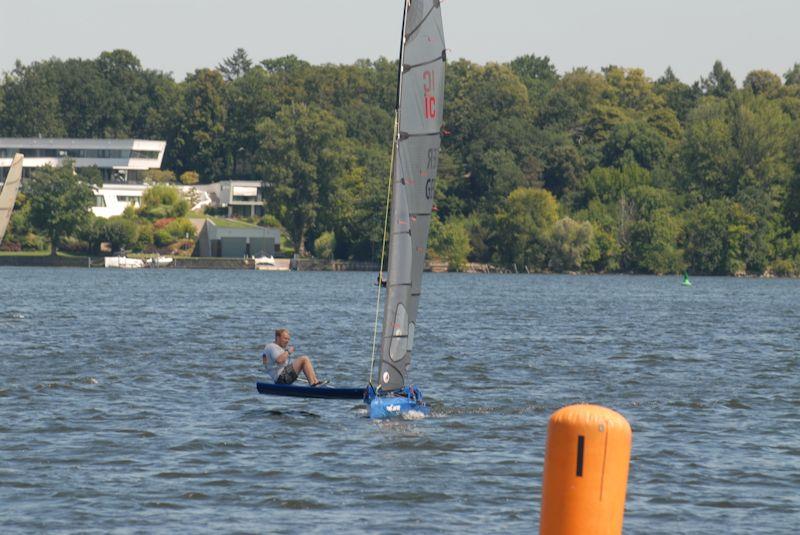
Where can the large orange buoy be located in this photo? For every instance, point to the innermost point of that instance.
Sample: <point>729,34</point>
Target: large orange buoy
<point>585,471</point>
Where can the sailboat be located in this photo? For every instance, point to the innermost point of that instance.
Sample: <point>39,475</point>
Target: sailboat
<point>9,193</point>
<point>415,159</point>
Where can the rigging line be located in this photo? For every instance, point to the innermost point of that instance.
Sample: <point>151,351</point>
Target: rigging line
<point>383,249</point>
<point>395,141</point>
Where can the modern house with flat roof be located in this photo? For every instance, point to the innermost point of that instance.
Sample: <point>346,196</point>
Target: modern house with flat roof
<point>122,164</point>
<point>121,161</point>
<point>237,240</point>
<point>242,198</point>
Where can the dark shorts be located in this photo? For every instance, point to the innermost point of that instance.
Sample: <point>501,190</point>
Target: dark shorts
<point>287,376</point>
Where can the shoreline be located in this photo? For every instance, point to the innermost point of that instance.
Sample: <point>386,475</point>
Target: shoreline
<point>315,264</point>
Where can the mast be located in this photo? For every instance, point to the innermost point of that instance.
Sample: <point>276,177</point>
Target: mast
<point>418,120</point>
<point>8,195</point>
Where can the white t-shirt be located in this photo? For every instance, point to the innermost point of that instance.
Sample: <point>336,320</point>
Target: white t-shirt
<point>272,351</point>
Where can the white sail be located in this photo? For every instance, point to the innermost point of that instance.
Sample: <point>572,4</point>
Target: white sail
<point>419,115</point>
<point>8,195</point>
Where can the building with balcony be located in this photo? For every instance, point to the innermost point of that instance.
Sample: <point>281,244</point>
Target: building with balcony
<point>122,164</point>
<point>241,198</point>
<point>120,161</point>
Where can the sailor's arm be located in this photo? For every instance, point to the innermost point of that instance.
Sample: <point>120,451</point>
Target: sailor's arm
<point>283,357</point>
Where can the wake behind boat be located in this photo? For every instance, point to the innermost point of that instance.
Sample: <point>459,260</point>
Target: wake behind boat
<point>415,161</point>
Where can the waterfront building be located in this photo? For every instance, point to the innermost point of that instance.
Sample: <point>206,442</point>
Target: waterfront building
<point>236,241</point>
<point>122,164</point>
<point>240,198</point>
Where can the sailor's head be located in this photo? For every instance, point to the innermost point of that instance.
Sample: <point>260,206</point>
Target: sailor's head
<point>282,337</point>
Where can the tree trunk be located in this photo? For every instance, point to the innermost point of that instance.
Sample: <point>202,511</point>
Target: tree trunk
<point>53,245</point>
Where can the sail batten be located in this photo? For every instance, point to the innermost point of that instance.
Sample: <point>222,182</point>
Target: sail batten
<point>414,169</point>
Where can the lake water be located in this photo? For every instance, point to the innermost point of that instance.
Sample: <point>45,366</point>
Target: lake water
<point>128,401</point>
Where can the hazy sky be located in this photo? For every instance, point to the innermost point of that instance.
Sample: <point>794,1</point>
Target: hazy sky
<point>179,36</point>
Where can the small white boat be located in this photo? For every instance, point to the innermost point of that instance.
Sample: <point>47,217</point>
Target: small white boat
<point>123,262</point>
<point>159,261</point>
<point>264,260</point>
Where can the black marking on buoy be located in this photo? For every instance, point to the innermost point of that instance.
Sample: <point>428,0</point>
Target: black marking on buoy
<point>579,469</point>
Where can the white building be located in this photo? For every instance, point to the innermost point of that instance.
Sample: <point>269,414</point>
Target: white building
<point>122,164</point>
<point>112,199</point>
<point>242,198</point>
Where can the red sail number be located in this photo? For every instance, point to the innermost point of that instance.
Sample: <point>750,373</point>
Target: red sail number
<point>428,85</point>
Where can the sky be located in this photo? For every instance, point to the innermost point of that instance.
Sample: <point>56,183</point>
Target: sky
<point>179,36</point>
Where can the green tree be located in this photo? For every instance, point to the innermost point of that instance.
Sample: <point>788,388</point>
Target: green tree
<point>792,76</point>
<point>199,142</point>
<point>357,208</point>
<point>734,144</point>
<point>523,226</point>
<point>449,241</point>
<point>653,232</point>
<point>31,102</point>
<point>325,245</point>
<point>680,97</point>
<point>762,82</point>
<point>634,142</point>
<point>162,201</point>
<point>537,73</point>
<point>720,82</point>
<point>303,150</point>
<point>715,237</point>
<point>572,245</point>
<point>120,232</point>
<point>59,201</point>
<point>189,178</point>
<point>157,176</point>
<point>236,65</point>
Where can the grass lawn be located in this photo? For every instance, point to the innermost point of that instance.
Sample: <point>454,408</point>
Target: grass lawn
<point>40,253</point>
<point>230,223</point>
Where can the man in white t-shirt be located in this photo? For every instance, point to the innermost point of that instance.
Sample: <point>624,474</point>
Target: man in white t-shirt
<point>282,368</point>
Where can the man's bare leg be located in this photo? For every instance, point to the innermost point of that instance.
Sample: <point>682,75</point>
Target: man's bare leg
<point>304,364</point>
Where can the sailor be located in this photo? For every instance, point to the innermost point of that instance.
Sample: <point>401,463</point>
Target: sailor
<point>281,367</point>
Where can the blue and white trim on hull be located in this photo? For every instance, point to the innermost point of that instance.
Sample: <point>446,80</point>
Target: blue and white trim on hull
<point>406,402</point>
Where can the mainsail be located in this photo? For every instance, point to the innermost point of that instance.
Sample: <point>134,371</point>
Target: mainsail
<point>9,193</point>
<point>420,100</point>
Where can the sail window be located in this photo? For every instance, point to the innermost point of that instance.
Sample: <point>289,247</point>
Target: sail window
<point>399,345</point>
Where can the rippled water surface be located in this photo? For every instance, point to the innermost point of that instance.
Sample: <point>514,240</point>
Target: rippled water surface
<point>128,402</point>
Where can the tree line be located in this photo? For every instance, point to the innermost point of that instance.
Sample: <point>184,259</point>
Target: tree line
<point>578,171</point>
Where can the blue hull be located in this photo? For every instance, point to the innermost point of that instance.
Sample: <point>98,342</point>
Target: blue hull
<point>319,392</point>
<point>406,402</point>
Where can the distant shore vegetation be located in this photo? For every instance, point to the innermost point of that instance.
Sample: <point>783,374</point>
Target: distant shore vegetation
<point>583,171</point>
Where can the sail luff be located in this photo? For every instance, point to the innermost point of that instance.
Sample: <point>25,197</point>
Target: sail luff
<point>8,195</point>
<point>420,98</point>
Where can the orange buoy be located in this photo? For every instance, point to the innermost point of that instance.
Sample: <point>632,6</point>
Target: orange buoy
<point>585,471</point>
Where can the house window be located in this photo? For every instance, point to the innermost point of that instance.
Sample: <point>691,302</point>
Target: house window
<point>130,199</point>
<point>99,201</point>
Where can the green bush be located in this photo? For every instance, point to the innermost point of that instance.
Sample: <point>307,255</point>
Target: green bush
<point>190,178</point>
<point>162,238</point>
<point>121,232</point>
<point>786,267</point>
<point>163,200</point>
<point>181,228</point>
<point>325,245</point>
<point>450,241</point>
<point>145,240</point>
